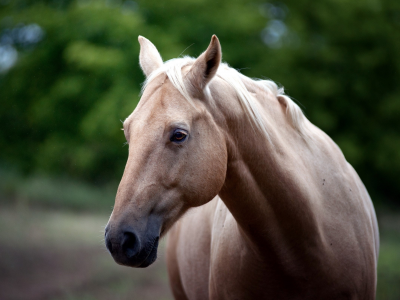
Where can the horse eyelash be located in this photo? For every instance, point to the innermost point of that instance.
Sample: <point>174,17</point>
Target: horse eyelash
<point>126,143</point>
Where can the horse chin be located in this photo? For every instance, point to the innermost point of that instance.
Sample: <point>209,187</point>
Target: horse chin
<point>143,259</point>
<point>151,258</point>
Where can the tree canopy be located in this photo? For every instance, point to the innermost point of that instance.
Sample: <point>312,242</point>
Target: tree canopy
<point>70,73</point>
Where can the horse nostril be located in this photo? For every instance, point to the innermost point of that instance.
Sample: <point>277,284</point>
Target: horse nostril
<point>130,244</point>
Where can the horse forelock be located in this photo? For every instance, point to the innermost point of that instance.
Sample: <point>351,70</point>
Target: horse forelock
<point>295,116</point>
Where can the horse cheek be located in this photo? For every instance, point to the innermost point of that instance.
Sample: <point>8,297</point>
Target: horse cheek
<point>211,172</point>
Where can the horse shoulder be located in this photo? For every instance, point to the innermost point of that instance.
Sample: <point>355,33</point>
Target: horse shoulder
<point>346,219</point>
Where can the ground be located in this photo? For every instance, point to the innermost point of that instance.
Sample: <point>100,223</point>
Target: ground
<point>61,255</point>
<point>47,254</point>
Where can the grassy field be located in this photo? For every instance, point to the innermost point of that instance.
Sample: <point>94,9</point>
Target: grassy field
<point>61,255</point>
<point>389,256</point>
<point>47,254</point>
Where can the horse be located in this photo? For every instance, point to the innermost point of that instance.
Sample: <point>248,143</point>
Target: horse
<point>259,203</point>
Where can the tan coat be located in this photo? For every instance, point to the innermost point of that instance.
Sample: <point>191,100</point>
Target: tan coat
<point>292,219</point>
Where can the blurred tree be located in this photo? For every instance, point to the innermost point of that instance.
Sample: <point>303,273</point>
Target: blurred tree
<point>345,69</point>
<point>62,102</point>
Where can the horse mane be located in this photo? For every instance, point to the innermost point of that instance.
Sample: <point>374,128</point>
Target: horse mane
<point>173,69</point>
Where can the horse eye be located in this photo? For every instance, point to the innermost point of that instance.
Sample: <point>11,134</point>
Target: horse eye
<point>178,136</point>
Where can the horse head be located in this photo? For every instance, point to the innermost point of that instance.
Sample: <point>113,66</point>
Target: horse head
<point>177,155</point>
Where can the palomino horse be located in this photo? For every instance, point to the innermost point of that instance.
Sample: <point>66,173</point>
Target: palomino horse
<point>274,211</point>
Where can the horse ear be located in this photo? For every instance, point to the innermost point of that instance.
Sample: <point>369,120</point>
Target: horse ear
<point>205,66</point>
<point>149,58</point>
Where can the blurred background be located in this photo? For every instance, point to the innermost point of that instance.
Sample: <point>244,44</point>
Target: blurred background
<point>69,74</point>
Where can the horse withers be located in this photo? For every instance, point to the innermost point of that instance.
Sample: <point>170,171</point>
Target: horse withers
<point>261,203</point>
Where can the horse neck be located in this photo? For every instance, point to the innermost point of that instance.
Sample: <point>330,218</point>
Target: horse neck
<point>265,187</point>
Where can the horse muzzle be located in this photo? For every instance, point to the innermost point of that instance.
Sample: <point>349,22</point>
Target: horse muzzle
<point>128,249</point>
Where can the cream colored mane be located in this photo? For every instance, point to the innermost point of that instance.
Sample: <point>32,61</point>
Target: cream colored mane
<point>173,69</point>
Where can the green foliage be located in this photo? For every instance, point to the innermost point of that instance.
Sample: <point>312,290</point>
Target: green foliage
<point>61,105</point>
<point>41,191</point>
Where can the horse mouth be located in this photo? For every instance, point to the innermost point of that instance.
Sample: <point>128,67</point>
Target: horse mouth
<point>152,255</point>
